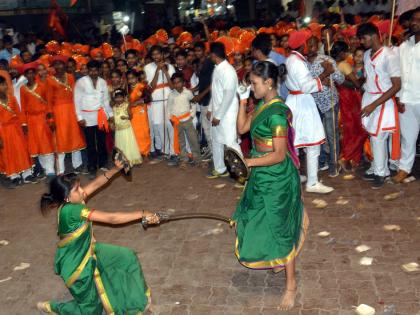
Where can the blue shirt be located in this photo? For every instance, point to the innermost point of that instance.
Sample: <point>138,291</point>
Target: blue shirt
<point>5,54</point>
<point>280,59</point>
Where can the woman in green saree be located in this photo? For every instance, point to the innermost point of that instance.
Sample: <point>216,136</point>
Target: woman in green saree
<point>98,276</point>
<point>270,219</point>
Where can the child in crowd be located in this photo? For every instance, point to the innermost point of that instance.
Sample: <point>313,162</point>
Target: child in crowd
<point>125,139</point>
<point>181,111</point>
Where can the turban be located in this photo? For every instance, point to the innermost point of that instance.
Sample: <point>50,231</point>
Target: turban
<point>59,58</point>
<point>29,66</point>
<point>95,52</point>
<point>298,38</point>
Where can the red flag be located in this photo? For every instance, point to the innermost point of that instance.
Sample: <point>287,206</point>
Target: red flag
<point>73,2</point>
<point>57,19</point>
<point>406,5</point>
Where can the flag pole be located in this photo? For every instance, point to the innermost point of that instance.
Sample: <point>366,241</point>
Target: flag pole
<point>392,21</point>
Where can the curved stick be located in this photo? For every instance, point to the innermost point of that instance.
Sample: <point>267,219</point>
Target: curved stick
<point>164,217</point>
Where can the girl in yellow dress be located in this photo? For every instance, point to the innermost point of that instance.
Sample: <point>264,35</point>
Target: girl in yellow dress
<point>125,140</point>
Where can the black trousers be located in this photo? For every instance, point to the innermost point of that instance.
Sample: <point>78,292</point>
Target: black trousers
<point>96,149</point>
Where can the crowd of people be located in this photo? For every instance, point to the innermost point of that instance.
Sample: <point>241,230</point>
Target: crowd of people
<point>175,97</point>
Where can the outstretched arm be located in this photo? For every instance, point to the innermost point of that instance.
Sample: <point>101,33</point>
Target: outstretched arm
<point>121,217</point>
<point>102,180</point>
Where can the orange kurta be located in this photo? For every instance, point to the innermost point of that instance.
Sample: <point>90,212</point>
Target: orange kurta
<point>140,120</point>
<point>35,109</point>
<point>14,156</point>
<point>69,136</point>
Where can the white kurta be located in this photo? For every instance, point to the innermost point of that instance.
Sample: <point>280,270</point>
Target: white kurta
<point>224,103</point>
<point>88,100</point>
<point>379,70</point>
<point>306,120</point>
<point>159,95</point>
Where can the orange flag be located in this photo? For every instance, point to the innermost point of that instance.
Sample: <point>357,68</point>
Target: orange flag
<point>73,2</point>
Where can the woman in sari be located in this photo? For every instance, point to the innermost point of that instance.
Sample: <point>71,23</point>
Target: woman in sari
<point>352,131</point>
<point>270,219</point>
<point>99,276</point>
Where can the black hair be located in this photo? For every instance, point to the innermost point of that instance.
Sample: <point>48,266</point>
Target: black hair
<point>24,51</point>
<point>218,49</point>
<point>133,72</point>
<point>266,70</point>
<point>262,42</point>
<point>130,52</point>
<point>182,53</point>
<point>118,72</point>
<point>4,63</point>
<point>367,29</point>
<point>156,48</point>
<point>39,47</point>
<point>338,48</point>
<point>93,64</point>
<point>177,75</point>
<point>7,39</point>
<point>60,187</point>
<point>200,45</point>
<point>2,80</point>
<point>71,60</point>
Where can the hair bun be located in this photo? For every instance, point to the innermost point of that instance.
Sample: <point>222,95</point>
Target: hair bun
<point>282,69</point>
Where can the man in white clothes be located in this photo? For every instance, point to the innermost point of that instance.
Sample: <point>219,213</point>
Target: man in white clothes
<point>306,119</point>
<point>158,75</point>
<point>91,97</point>
<point>409,52</point>
<point>379,108</point>
<point>223,109</point>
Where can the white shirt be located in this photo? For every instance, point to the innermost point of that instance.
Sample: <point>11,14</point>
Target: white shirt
<point>89,100</point>
<point>223,91</point>
<point>409,53</point>
<point>224,103</point>
<point>160,94</point>
<point>180,104</point>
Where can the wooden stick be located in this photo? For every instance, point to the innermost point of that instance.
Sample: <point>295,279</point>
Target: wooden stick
<point>392,21</point>
<point>332,104</point>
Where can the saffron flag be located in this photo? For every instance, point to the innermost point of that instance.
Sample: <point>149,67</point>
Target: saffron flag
<point>73,2</point>
<point>407,5</point>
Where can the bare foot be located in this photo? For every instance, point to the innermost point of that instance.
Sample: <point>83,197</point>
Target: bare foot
<point>42,307</point>
<point>288,300</point>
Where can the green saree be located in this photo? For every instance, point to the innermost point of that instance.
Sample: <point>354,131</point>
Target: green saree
<point>270,220</point>
<point>99,276</point>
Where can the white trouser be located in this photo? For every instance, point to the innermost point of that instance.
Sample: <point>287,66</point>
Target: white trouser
<point>379,146</point>
<point>410,126</point>
<point>76,160</point>
<point>312,155</point>
<point>219,154</point>
<point>151,131</point>
<point>47,163</point>
<point>23,174</point>
<point>164,136</point>
<point>205,124</point>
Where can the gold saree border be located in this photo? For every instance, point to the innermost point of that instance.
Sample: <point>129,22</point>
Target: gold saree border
<point>76,274</point>
<point>72,236</point>
<point>49,310</point>
<point>264,106</point>
<point>102,293</point>
<point>279,261</point>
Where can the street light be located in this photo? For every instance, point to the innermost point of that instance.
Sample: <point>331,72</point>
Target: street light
<point>126,18</point>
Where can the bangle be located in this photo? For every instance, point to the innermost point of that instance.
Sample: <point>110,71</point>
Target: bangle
<point>107,178</point>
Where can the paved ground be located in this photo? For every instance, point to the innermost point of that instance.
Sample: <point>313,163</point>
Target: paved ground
<point>192,272</point>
